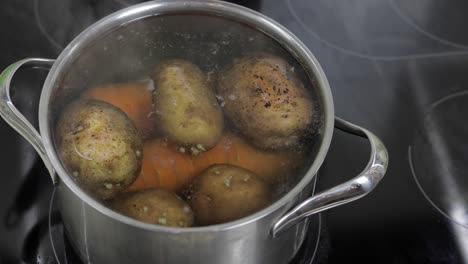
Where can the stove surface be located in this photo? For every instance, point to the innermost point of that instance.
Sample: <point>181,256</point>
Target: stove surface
<point>397,68</point>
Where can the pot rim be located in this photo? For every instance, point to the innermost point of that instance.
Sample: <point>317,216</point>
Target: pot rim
<point>209,7</point>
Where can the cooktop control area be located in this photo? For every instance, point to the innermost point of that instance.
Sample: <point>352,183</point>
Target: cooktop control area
<point>398,68</point>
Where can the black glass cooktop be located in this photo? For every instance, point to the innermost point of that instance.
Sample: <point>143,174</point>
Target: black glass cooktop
<point>398,68</point>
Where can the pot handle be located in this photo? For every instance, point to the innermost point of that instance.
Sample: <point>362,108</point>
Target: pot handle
<point>14,117</point>
<point>346,192</point>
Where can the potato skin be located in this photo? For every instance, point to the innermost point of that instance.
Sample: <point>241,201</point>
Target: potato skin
<point>265,101</point>
<point>155,206</point>
<point>100,147</point>
<point>185,105</point>
<point>225,193</point>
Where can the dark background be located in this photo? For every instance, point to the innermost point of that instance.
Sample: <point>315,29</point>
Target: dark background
<point>391,65</point>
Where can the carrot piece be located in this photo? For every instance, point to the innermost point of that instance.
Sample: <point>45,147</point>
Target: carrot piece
<point>270,165</point>
<point>165,166</point>
<point>134,99</point>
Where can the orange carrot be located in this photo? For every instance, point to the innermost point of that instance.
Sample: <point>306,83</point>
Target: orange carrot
<point>134,99</point>
<point>165,166</point>
<point>236,151</point>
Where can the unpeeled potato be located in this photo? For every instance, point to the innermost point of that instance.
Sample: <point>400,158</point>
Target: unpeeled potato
<point>155,206</point>
<point>225,193</point>
<point>265,101</point>
<point>185,107</point>
<point>100,147</point>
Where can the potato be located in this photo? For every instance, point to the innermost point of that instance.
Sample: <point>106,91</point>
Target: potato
<point>185,106</point>
<point>265,101</point>
<point>155,206</point>
<point>100,147</point>
<point>225,193</point>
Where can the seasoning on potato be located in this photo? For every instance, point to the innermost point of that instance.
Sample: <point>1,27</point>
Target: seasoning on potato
<point>185,107</point>
<point>155,206</point>
<point>100,146</point>
<point>266,101</point>
<point>224,193</point>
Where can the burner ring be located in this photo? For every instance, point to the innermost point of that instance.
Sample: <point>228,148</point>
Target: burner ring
<point>43,29</point>
<point>436,157</point>
<point>412,22</point>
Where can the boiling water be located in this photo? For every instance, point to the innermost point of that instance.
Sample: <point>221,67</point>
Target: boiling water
<point>131,53</point>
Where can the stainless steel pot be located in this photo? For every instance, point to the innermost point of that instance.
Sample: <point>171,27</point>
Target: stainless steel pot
<point>272,235</point>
